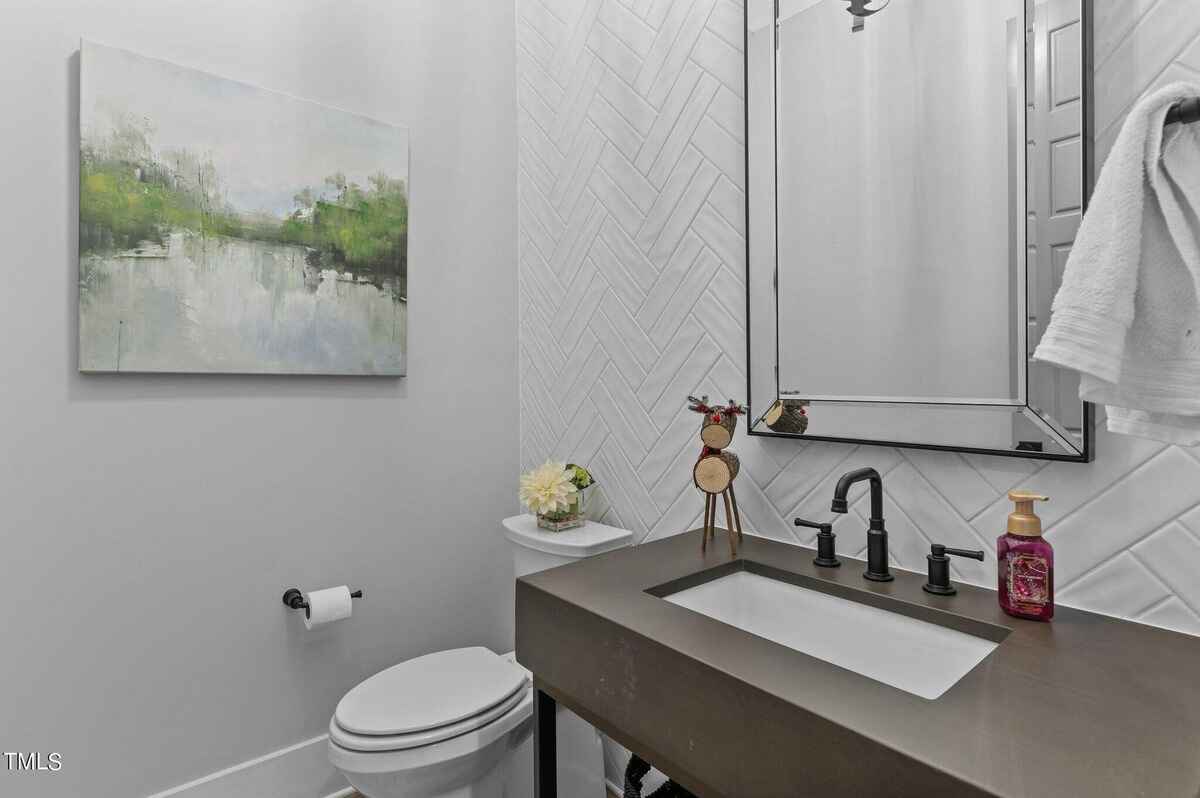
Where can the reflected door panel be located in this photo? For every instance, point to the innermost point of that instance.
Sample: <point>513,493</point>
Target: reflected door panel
<point>1056,202</point>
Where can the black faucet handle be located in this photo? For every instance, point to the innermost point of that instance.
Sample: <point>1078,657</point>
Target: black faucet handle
<point>939,568</point>
<point>938,550</point>
<point>826,528</point>
<point>826,543</point>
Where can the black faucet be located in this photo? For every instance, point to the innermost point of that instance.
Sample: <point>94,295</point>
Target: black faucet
<point>877,548</point>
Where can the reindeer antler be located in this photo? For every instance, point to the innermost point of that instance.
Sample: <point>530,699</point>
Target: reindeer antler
<point>734,409</point>
<point>701,405</point>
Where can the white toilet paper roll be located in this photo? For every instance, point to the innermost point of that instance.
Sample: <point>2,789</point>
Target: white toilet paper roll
<point>328,605</point>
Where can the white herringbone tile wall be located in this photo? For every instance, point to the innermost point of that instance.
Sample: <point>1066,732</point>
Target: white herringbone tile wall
<point>632,296</point>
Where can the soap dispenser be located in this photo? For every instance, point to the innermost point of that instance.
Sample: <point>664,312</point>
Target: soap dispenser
<point>1026,562</point>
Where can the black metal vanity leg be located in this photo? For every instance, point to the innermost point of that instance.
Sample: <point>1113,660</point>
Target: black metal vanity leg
<point>545,765</point>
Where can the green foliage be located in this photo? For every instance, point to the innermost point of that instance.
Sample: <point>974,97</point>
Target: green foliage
<point>128,196</point>
<point>581,477</point>
<point>116,210</point>
<point>365,230</point>
<point>122,205</point>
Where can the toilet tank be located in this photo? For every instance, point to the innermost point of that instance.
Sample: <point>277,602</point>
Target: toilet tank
<point>537,549</point>
<point>580,749</point>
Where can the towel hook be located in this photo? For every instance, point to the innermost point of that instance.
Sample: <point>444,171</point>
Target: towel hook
<point>1185,112</point>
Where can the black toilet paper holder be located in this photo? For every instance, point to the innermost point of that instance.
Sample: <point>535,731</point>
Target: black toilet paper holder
<point>294,599</point>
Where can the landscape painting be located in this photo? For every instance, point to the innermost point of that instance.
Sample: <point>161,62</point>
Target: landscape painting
<point>224,228</point>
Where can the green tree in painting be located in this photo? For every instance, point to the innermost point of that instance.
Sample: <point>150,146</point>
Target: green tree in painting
<point>357,230</point>
<point>128,196</point>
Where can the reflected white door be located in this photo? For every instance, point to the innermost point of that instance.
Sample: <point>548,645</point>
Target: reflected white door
<point>1055,202</point>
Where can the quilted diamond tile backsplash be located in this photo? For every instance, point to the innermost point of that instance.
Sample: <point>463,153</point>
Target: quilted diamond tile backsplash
<point>632,296</point>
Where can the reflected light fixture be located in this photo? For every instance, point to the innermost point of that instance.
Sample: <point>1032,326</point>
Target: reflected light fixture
<point>861,9</point>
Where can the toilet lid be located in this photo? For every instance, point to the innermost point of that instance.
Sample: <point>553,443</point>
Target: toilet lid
<point>371,743</point>
<point>435,690</point>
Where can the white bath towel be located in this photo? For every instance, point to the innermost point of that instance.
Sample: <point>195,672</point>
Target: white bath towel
<point>1127,316</point>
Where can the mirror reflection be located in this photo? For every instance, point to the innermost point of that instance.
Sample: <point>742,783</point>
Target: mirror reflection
<point>917,176</point>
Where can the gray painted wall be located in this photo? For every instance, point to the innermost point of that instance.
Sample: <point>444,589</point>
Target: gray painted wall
<point>149,525</point>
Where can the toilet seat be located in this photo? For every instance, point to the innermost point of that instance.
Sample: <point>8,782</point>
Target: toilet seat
<point>481,745</point>
<point>367,743</point>
<point>428,700</point>
<point>429,692</point>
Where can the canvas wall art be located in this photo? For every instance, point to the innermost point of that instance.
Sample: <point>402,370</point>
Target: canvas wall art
<point>224,228</point>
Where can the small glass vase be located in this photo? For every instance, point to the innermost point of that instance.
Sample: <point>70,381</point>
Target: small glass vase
<point>560,520</point>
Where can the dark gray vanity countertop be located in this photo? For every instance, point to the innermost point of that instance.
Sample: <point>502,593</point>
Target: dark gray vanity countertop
<point>1084,706</point>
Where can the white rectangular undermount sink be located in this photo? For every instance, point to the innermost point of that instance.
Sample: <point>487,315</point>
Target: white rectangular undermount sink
<point>916,656</point>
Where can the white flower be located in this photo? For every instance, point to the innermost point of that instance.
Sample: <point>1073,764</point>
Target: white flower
<point>548,488</point>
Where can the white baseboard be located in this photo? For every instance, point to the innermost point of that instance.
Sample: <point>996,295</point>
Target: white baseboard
<point>298,771</point>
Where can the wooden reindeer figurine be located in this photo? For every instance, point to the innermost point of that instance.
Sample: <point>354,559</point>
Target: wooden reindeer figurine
<point>716,468</point>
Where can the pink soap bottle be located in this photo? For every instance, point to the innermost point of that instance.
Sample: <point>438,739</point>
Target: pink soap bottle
<point>1026,562</point>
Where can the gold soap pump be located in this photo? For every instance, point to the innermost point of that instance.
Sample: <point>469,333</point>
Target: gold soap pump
<point>1023,520</point>
<point>1025,561</point>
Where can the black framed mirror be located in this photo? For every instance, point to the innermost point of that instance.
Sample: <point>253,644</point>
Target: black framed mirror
<point>916,172</point>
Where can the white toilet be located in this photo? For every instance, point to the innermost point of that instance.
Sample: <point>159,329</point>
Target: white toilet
<point>457,724</point>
